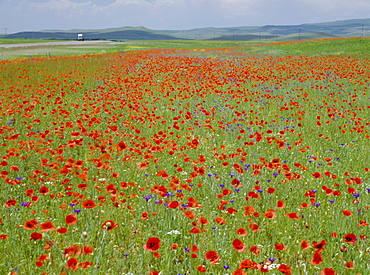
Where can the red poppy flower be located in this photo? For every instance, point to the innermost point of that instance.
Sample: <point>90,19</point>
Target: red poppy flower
<point>347,213</point>
<point>293,216</point>
<point>73,250</point>
<point>3,237</point>
<point>87,249</point>
<point>285,269</point>
<point>88,204</point>
<point>203,221</point>
<point>280,204</point>
<point>280,246</point>
<point>72,264</point>
<point>305,245</point>
<point>319,246</point>
<point>242,232</point>
<point>121,146</point>
<point>31,224</point>
<point>43,257</point>
<point>317,258</point>
<point>71,219</point>
<point>270,214</point>
<point>35,198</point>
<point>328,271</point>
<point>195,230</point>
<point>44,190</point>
<point>152,244</point>
<point>36,236</point>
<point>201,268</point>
<point>157,254</point>
<point>363,223</point>
<point>239,246</point>
<point>226,192</point>
<point>62,230</point>
<point>254,250</point>
<point>254,227</point>
<point>212,256</point>
<point>317,175</point>
<point>220,220</point>
<point>109,225</point>
<point>194,248</point>
<point>10,202</point>
<point>350,238</point>
<point>349,265</point>
<point>82,186</point>
<point>29,192</point>
<point>189,214</point>
<point>47,226</point>
<point>173,204</point>
<point>239,271</point>
<point>248,264</point>
<point>144,215</point>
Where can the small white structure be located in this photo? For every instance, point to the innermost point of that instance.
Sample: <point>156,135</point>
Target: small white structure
<point>80,37</point>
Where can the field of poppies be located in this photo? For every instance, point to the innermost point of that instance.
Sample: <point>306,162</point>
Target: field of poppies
<point>197,161</point>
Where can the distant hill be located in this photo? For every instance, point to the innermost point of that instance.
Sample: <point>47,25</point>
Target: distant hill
<point>242,37</point>
<point>343,28</point>
<point>303,36</point>
<point>125,33</point>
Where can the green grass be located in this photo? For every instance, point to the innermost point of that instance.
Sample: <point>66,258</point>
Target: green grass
<point>179,111</point>
<point>118,46</point>
<point>25,41</point>
<point>356,47</point>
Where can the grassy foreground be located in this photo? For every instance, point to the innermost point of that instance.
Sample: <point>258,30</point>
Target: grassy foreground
<point>169,161</point>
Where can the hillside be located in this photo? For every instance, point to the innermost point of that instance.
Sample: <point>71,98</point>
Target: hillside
<point>344,28</point>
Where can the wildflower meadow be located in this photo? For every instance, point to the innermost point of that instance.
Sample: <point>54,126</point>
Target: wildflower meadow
<point>186,161</point>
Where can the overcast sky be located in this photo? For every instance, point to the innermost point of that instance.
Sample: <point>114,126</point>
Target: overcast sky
<point>35,15</point>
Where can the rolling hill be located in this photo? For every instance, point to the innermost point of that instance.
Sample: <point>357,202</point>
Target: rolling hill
<point>343,28</point>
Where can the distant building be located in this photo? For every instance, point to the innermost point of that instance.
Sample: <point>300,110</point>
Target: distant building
<point>80,37</point>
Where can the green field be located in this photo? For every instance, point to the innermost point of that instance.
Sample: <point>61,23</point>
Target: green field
<point>186,157</point>
<point>107,47</point>
<point>25,41</point>
<point>356,47</point>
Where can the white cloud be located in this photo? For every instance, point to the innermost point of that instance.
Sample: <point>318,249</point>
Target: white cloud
<point>172,14</point>
<point>58,5</point>
<point>239,7</point>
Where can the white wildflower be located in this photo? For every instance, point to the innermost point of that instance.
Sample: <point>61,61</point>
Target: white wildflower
<point>174,232</point>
